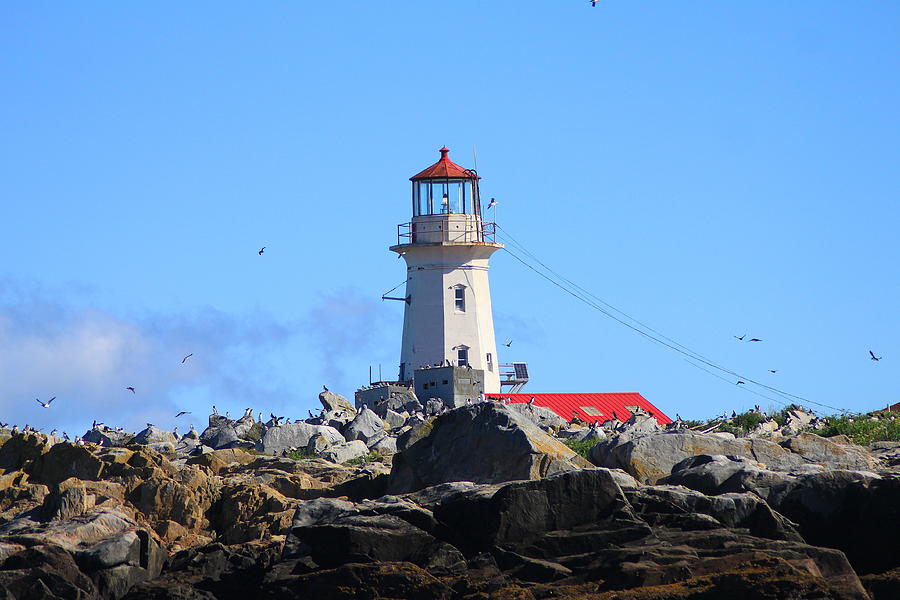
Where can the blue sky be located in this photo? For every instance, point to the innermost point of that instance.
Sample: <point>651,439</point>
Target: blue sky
<point>711,169</point>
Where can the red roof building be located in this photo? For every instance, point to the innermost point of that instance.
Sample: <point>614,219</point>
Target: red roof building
<point>445,169</point>
<point>589,408</point>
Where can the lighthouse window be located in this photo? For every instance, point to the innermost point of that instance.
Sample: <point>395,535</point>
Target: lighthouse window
<point>462,357</point>
<point>460,299</point>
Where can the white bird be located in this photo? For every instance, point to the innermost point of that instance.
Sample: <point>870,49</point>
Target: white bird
<point>47,403</point>
<point>492,203</point>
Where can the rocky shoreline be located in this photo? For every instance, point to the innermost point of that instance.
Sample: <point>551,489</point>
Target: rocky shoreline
<point>481,501</point>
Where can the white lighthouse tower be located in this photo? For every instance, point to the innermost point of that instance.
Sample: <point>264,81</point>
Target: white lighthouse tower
<point>448,319</point>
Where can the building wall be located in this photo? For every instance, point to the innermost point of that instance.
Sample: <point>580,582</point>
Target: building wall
<point>433,328</point>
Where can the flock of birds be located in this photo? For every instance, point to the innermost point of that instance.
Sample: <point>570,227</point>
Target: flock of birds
<point>773,371</point>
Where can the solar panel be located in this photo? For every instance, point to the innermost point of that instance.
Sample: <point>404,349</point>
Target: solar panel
<point>521,370</point>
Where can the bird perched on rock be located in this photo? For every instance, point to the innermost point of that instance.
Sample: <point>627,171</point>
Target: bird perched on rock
<point>324,388</point>
<point>175,431</point>
<point>215,410</point>
<point>47,403</point>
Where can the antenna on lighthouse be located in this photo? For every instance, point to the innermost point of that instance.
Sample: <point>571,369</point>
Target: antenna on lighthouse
<point>474,158</point>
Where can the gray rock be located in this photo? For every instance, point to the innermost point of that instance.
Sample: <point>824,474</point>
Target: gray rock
<point>124,548</point>
<point>335,402</point>
<point>651,457</point>
<point>114,583</point>
<point>317,443</point>
<point>819,450</point>
<point>393,420</point>
<point>107,437</point>
<point>383,445</point>
<point>341,453</point>
<point>484,443</point>
<point>219,436</point>
<point>162,447</point>
<point>543,417</point>
<point>364,427</point>
<point>277,439</point>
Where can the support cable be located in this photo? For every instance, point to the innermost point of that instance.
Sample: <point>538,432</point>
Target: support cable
<point>661,339</point>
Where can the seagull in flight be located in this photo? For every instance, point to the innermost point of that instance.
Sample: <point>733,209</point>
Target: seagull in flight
<point>492,203</point>
<point>261,250</point>
<point>754,340</point>
<point>740,338</point>
<point>130,389</point>
<point>873,357</point>
<point>182,413</point>
<point>47,403</point>
<point>773,370</point>
<point>740,382</point>
<point>186,357</point>
<point>508,344</point>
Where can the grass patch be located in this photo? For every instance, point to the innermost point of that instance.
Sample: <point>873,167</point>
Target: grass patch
<point>360,460</point>
<point>300,455</point>
<point>862,430</point>
<point>581,448</point>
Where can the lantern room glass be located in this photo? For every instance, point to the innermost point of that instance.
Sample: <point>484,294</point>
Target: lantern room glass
<point>443,196</point>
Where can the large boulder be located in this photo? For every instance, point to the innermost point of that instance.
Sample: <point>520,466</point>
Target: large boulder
<point>64,461</point>
<point>336,403</point>
<point>829,452</point>
<point>541,416</point>
<point>341,453</point>
<point>294,435</point>
<point>651,457</point>
<point>153,434</point>
<point>105,436</point>
<point>364,427</point>
<point>485,443</point>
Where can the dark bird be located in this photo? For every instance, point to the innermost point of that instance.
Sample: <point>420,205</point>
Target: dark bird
<point>47,403</point>
<point>531,401</point>
<point>733,414</point>
<point>186,357</point>
<point>508,344</point>
<point>615,417</point>
<point>261,250</point>
<point>773,370</point>
<point>182,413</point>
<point>873,357</point>
<point>740,338</point>
<point>492,203</point>
<point>677,417</point>
<point>324,388</point>
<point>594,2</point>
<point>130,389</point>
<point>754,340</point>
<point>739,383</point>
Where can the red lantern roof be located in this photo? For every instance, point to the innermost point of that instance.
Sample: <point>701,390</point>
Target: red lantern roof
<point>444,169</point>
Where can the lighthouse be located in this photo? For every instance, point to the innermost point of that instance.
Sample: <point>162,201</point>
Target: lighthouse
<point>447,321</point>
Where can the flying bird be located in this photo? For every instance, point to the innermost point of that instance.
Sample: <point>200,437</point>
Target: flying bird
<point>261,250</point>
<point>754,340</point>
<point>773,370</point>
<point>740,338</point>
<point>873,357</point>
<point>182,413</point>
<point>492,203</point>
<point>47,403</point>
<point>739,383</point>
<point>130,389</point>
<point>186,357</point>
<point>508,344</point>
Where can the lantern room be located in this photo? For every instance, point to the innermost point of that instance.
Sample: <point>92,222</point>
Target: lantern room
<point>445,188</point>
